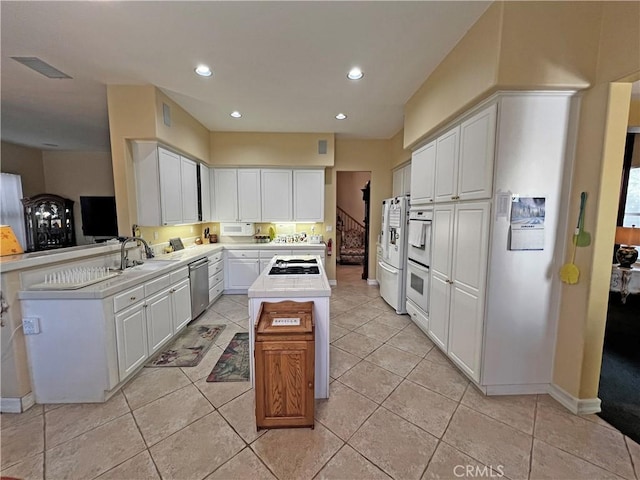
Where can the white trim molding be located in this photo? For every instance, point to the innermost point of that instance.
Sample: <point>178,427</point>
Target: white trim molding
<point>17,405</point>
<point>372,281</point>
<point>333,283</point>
<point>578,406</point>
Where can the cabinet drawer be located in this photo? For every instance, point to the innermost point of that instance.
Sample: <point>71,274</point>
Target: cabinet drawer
<point>157,284</point>
<point>128,298</point>
<point>179,274</point>
<point>216,257</point>
<point>215,268</point>
<point>214,279</point>
<point>319,252</point>
<point>243,254</point>
<point>216,291</point>
<point>268,254</point>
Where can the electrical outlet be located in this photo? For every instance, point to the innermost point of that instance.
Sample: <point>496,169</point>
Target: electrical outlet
<point>191,229</point>
<point>155,235</point>
<point>30,326</point>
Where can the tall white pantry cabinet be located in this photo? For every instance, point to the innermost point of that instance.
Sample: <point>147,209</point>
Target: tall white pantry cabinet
<point>492,310</point>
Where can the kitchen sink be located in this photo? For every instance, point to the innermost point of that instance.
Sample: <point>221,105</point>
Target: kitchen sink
<point>150,266</point>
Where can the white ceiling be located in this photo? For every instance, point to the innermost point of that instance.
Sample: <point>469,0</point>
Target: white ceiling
<point>282,64</point>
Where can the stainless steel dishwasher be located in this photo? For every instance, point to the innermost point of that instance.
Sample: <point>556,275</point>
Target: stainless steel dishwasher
<point>198,274</point>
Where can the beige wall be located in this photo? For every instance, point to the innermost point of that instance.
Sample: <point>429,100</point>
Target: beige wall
<point>397,152</point>
<point>275,149</point>
<point>132,115</point>
<point>75,174</point>
<point>362,155</point>
<point>185,132</point>
<point>634,113</point>
<point>26,162</point>
<point>349,195</point>
<point>467,74</point>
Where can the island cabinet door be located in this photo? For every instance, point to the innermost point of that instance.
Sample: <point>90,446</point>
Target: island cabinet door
<point>159,320</point>
<point>284,383</point>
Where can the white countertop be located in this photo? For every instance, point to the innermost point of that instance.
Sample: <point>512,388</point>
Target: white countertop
<point>272,286</point>
<point>137,275</point>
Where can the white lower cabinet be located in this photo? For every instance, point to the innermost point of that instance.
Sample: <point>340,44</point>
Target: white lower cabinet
<point>159,320</point>
<point>181,304</point>
<point>216,275</point>
<point>131,339</point>
<point>242,272</point>
<point>458,278</point>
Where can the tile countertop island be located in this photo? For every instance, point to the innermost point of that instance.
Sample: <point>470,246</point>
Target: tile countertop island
<point>298,288</point>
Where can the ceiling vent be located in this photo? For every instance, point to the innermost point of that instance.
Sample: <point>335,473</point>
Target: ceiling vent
<point>34,63</point>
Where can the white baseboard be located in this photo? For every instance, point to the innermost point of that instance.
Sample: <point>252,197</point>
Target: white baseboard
<point>333,283</point>
<point>578,406</point>
<point>529,389</point>
<point>372,281</point>
<point>17,405</point>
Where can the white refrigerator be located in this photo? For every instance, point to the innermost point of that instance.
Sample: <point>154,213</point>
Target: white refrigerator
<point>393,262</point>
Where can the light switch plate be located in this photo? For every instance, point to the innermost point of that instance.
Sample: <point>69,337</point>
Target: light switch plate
<point>31,326</point>
<point>329,228</point>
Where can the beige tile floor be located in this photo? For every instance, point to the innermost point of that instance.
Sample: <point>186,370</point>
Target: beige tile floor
<point>398,409</point>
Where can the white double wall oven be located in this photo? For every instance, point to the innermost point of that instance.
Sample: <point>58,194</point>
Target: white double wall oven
<point>418,264</point>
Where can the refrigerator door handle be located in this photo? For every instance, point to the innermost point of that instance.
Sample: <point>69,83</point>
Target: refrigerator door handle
<point>384,267</point>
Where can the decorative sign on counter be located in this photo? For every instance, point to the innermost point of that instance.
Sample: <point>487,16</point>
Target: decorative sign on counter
<point>527,223</point>
<point>288,322</point>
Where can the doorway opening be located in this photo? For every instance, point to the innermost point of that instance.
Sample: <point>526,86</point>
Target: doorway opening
<point>352,225</point>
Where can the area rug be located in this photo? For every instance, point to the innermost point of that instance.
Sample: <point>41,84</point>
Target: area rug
<point>233,365</point>
<point>188,349</point>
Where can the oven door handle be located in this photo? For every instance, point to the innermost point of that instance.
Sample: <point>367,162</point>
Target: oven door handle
<point>417,266</point>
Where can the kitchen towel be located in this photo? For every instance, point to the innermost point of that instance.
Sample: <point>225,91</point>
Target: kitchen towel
<point>417,233</point>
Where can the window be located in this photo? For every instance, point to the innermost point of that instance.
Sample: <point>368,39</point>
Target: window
<point>632,204</point>
<point>11,211</point>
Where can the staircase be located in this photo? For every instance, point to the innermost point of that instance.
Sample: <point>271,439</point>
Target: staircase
<point>351,248</point>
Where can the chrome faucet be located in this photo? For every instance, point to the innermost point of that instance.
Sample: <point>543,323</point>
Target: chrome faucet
<point>124,259</point>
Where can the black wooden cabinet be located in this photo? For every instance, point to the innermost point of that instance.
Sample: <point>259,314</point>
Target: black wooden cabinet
<point>49,222</point>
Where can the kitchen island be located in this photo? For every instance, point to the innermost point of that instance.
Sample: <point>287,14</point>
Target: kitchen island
<point>298,287</point>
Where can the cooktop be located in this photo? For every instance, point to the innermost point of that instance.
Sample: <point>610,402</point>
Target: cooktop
<point>295,266</point>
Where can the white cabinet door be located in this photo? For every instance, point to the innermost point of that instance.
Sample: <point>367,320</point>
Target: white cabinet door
<point>423,164</point>
<point>446,177</point>
<point>249,195</point>
<point>470,255</point>
<point>439,285</point>
<point>131,339</point>
<point>398,183</point>
<point>225,191</point>
<point>477,147</point>
<point>159,320</point>
<point>205,193</point>
<point>170,186</point>
<point>189,173</point>
<point>406,180</point>
<point>277,195</point>
<point>242,272</point>
<point>308,195</point>
<point>181,304</point>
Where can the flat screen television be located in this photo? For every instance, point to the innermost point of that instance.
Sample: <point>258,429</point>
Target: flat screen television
<point>99,216</point>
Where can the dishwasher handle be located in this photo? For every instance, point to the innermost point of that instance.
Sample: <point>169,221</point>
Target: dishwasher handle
<point>199,263</point>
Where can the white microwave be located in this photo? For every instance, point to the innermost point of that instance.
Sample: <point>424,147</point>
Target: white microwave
<point>237,229</point>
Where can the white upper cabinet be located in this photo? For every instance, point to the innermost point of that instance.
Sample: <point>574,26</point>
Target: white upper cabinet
<point>205,193</point>
<point>308,195</point>
<point>249,195</point>
<point>237,194</point>
<point>447,166</point>
<point>423,164</point>
<point>477,147</point>
<point>170,187</point>
<point>189,175</point>
<point>225,192</point>
<point>166,185</point>
<point>463,159</point>
<point>401,181</point>
<point>277,195</point>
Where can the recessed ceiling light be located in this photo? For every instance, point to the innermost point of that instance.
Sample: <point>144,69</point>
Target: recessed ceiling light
<point>355,74</point>
<point>203,71</point>
<point>341,116</point>
<point>235,114</point>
